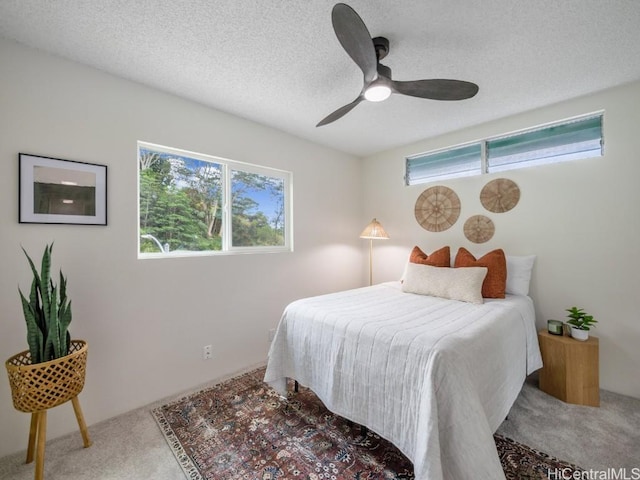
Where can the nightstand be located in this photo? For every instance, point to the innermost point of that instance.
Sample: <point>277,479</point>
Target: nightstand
<point>570,369</point>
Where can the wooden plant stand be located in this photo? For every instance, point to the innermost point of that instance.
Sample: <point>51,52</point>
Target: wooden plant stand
<point>36,388</point>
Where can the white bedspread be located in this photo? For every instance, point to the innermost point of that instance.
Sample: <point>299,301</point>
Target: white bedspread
<point>435,377</point>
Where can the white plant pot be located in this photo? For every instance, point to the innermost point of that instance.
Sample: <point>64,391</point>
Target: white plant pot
<point>578,334</point>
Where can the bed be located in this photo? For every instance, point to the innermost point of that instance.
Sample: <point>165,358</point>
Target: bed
<point>434,376</point>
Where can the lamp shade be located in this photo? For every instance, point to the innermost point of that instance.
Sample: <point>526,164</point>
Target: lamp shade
<point>374,231</point>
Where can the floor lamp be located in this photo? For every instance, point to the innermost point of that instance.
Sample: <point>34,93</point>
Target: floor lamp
<point>373,231</point>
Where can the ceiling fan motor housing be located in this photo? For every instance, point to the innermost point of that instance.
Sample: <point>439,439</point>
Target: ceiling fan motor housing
<point>381,45</point>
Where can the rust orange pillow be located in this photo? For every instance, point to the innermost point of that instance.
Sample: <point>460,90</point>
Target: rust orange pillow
<point>439,258</point>
<point>496,262</point>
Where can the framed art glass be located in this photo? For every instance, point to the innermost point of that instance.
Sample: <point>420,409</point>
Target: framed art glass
<point>52,190</point>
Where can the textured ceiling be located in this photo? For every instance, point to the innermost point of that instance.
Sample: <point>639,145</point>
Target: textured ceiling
<point>279,63</point>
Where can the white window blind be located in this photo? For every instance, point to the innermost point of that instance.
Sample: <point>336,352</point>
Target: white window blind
<point>556,143</point>
<point>454,162</point>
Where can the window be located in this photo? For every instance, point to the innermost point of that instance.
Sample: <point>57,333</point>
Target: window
<point>449,163</point>
<point>195,204</point>
<point>556,143</point>
<point>257,209</point>
<point>568,140</point>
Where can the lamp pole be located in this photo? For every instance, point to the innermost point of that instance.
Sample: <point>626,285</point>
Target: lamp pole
<point>370,261</point>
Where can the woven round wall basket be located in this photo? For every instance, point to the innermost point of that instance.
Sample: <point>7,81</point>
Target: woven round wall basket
<point>40,386</point>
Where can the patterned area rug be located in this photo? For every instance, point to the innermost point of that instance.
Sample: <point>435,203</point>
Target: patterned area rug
<point>243,430</point>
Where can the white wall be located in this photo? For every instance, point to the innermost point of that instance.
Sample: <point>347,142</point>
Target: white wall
<point>146,321</point>
<point>580,218</point>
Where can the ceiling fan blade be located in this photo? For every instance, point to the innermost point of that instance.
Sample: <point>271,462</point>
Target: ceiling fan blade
<point>436,89</point>
<point>354,37</point>
<point>339,113</point>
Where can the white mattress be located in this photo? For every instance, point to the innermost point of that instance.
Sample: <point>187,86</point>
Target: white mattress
<point>435,377</point>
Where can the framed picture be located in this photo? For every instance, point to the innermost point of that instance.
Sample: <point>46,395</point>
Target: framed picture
<point>52,190</point>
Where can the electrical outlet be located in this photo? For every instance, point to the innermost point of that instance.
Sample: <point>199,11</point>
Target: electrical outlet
<point>207,352</point>
<point>272,333</point>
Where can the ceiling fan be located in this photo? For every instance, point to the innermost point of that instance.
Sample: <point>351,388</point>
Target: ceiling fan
<point>367,52</point>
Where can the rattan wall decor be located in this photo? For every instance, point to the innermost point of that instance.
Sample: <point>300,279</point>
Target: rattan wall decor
<point>500,195</point>
<point>437,208</point>
<point>479,229</point>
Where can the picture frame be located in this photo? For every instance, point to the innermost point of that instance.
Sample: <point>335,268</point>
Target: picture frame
<point>53,190</point>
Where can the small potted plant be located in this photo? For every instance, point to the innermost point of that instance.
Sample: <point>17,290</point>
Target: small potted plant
<point>580,323</point>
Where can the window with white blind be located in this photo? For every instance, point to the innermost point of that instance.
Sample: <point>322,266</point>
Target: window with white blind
<point>453,162</point>
<point>572,139</point>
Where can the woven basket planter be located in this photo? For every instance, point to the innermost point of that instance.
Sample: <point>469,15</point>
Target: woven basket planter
<point>40,386</point>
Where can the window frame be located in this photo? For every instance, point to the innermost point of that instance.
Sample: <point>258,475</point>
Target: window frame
<point>226,165</point>
<point>484,160</point>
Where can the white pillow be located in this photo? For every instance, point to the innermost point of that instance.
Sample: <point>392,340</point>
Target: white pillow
<point>519,274</point>
<point>464,284</point>
<point>404,273</point>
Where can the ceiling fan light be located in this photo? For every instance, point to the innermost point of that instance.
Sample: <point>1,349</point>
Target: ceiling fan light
<point>377,93</point>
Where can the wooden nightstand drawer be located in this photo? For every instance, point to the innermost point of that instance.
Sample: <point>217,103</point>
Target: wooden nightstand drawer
<point>570,369</point>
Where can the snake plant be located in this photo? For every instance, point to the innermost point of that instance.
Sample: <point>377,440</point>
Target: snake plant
<point>47,312</point>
